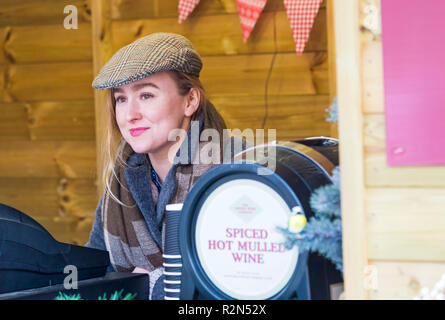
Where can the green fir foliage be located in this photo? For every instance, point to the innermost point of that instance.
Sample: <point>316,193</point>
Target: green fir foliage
<point>64,296</point>
<point>118,296</point>
<point>323,232</point>
<point>114,296</point>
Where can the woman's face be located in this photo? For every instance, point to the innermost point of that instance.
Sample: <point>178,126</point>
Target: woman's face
<point>148,109</point>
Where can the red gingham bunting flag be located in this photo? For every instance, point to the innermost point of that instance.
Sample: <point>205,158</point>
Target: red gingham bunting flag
<point>185,7</point>
<point>301,14</point>
<point>249,12</point>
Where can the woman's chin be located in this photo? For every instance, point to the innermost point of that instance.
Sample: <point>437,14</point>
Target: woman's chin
<point>140,149</point>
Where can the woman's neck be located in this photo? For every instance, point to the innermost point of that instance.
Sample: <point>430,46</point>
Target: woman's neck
<point>161,164</point>
<point>160,159</point>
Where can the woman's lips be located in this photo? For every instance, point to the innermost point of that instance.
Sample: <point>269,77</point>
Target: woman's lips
<point>137,131</point>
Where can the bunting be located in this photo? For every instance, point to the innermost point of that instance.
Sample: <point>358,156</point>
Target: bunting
<point>301,15</point>
<point>185,7</point>
<point>249,11</point>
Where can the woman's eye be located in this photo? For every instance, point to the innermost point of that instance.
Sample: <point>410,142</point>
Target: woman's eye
<point>146,96</point>
<point>120,100</point>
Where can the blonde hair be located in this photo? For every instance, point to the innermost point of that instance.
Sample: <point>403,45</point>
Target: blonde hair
<point>113,150</point>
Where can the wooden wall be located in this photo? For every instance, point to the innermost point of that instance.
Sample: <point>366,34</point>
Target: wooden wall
<point>47,140</point>
<point>49,126</point>
<point>393,217</point>
<point>234,73</point>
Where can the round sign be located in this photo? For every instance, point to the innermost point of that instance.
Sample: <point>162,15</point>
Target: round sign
<point>229,239</point>
<point>237,241</point>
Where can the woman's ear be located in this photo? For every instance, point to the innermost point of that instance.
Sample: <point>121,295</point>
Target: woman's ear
<point>193,98</point>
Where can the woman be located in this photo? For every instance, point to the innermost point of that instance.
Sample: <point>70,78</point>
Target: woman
<point>154,91</point>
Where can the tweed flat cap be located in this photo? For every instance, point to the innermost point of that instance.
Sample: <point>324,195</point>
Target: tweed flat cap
<point>150,54</point>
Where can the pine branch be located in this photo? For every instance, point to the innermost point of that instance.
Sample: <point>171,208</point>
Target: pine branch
<point>323,232</point>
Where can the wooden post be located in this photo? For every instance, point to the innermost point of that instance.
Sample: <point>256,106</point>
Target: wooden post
<point>347,40</point>
<point>331,60</point>
<point>102,51</point>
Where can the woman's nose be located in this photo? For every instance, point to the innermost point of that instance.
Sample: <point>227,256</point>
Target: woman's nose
<point>133,111</point>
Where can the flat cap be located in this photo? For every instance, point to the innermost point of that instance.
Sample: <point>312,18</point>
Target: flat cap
<point>150,54</point>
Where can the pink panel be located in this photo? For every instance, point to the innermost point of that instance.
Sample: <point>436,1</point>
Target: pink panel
<point>413,34</point>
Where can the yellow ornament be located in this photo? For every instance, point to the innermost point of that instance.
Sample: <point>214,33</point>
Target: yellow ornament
<point>296,223</point>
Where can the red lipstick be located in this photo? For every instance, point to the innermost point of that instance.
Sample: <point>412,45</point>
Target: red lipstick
<point>138,131</point>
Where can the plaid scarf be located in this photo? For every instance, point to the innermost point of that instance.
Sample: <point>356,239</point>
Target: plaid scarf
<point>132,238</point>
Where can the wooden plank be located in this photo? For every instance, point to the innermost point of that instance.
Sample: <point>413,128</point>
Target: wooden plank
<point>140,9</point>
<point>296,117</point>
<point>4,97</point>
<point>243,74</point>
<point>3,38</point>
<point>297,124</point>
<point>50,197</point>
<point>77,198</point>
<point>61,120</point>
<point>247,74</point>
<point>102,52</point>
<point>217,40</point>
<point>148,9</point>
<point>242,106</point>
<point>320,72</point>
<point>347,39</point>
<point>26,12</point>
<point>379,174</point>
<point>48,159</point>
<point>399,280</point>
<point>284,131</point>
<point>50,81</point>
<point>331,60</point>
<point>372,70</point>
<point>49,43</point>
<point>2,83</point>
<point>13,122</point>
<point>34,197</point>
<point>330,26</point>
<point>65,207</point>
<point>406,224</point>
<point>293,117</point>
<point>68,230</point>
<point>56,120</point>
